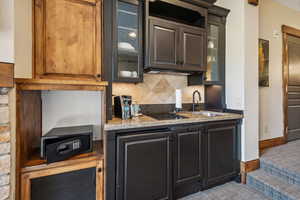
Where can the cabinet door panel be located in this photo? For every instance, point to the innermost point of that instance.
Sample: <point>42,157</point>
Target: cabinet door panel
<point>144,167</point>
<point>68,38</point>
<point>222,156</point>
<point>163,44</point>
<point>188,156</point>
<point>193,49</point>
<point>188,163</point>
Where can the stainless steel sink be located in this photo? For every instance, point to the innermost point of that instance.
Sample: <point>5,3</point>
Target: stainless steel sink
<point>208,113</point>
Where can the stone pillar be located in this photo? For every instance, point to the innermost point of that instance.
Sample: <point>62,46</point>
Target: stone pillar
<point>5,148</point>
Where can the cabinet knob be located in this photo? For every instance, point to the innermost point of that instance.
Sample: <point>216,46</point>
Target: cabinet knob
<point>100,170</point>
<point>98,75</point>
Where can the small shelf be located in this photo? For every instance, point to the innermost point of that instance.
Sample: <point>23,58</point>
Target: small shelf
<point>127,28</point>
<point>53,84</point>
<point>36,163</point>
<point>127,52</point>
<point>127,12</point>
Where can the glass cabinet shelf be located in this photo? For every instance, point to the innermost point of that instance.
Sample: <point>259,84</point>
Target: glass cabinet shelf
<point>213,67</point>
<point>128,41</point>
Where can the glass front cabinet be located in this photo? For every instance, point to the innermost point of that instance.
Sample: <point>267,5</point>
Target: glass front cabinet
<point>214,79</point>
<point>128,37</point>
<point>215,74</point>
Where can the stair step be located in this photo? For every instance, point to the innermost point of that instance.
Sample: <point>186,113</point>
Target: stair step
<point>287,174</point>
<point>272,186</point>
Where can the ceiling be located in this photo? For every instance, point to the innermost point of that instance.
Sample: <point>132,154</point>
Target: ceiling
<point>294,4</point>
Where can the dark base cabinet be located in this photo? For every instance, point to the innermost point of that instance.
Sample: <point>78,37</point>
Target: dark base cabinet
<point>171,162</point>
<point>144,167</point>
<point>222,162</point>
<point>188,161</point>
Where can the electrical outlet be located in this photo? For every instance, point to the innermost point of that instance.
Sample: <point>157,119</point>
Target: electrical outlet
<point>266,130</point>
<point>276,34</point>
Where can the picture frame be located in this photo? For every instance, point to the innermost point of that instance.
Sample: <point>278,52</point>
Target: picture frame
<point>264,49</point>
<point>253,2</point>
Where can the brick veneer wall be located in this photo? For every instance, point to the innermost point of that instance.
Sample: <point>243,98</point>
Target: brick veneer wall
<point>5,148</point>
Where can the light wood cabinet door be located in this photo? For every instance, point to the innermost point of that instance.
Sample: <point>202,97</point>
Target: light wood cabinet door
<point>68,39</point>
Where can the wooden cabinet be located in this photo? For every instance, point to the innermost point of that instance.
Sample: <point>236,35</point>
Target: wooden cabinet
<point>164,44</point>
<point>67,39</point>
<point>175,46</point>
<point>193,54</point>
<point>216,50</point>
<point>188,161</point>
<point>171,161</point>
<point>69,181</point>
<point>216,45</point>
<point>222,153</point>
<point>6,75</point>
<point>144,167</point>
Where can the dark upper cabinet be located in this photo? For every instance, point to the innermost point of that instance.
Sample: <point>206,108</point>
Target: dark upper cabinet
<point>144,167</point>
<point>188,161</point>
<point>193,54</point>
<point>216,45</point>
<point>222,148</point>
<point>177,47</point>
<point>176,36</point>
<point>164,44</point>
<point>216,50</point>
<point>128,41</point>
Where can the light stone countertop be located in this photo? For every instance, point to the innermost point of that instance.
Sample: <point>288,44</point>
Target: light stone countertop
<point>146,121</point>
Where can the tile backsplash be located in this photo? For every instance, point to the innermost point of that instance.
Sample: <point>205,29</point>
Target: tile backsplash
<point>158,89</point>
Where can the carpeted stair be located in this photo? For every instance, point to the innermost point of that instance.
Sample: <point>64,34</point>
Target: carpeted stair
<point>279,175</point>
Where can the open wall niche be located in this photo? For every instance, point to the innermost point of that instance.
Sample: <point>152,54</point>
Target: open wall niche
<point>37,112</point>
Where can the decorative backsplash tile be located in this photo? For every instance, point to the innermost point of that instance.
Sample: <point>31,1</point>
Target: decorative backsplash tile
<point>158,89</point>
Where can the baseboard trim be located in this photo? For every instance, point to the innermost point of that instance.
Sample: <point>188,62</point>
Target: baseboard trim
<point>265,144</point>
<point>247,167</point>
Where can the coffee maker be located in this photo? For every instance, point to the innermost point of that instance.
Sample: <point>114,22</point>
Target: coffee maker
<point>122,106</point>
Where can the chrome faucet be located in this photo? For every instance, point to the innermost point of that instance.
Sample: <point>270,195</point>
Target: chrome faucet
<point>199,100</point>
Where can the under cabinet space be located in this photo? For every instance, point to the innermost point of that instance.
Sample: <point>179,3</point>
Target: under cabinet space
<point>37,113</point>
<point>179,12</point>
<point>40,111</point>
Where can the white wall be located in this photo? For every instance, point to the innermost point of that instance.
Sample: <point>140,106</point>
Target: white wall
<point>272,16</point>
<point>242,70</point>
<point>71,108</point>
<point>23,38</point>
<point>7,31</point>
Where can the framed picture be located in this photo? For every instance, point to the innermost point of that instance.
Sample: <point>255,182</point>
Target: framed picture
<point>253,2</point>
<point>263,63</point>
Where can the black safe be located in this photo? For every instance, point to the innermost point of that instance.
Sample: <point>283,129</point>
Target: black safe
<point>62,143</point>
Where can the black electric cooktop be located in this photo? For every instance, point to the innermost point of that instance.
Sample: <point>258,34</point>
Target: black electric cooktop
<point>166,116</point>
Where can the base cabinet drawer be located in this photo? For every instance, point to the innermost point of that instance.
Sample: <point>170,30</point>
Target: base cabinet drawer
<point>70,182</point>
